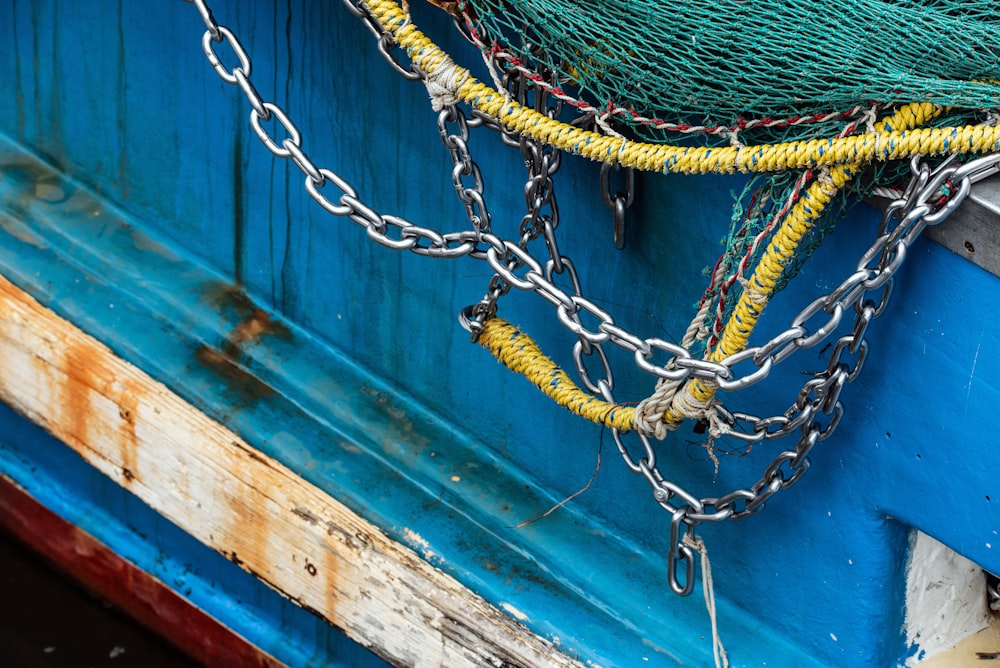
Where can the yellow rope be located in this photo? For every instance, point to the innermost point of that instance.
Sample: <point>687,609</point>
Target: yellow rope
<point>844,156</point>
<point>780,250</point>
<point>855,149</point>
<point>519,353</point>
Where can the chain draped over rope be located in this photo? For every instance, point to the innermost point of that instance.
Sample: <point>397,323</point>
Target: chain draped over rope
<point>686,384</point>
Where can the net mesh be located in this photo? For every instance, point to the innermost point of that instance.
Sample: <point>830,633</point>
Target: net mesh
<point>774,67</point>
<point>715,72</point>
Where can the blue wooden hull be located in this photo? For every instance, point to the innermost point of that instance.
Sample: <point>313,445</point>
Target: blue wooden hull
<point>137,205</point>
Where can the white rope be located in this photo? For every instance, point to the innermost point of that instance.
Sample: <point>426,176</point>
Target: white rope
<point>887,193</point>
<point>443,84</point>
<point>649,412</point>
<point>602,122</point>
<point>871,117</point>
<point>494,75</point>
<point>708,588</point>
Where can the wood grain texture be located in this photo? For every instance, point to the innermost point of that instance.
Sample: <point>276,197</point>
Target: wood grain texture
<point>249,507</point>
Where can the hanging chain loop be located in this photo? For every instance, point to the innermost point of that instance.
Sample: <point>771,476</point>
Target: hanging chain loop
<point>619,200</point>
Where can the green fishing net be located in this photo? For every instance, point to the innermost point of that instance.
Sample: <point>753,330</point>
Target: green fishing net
<point>775,64</point>
<point>718,72</point>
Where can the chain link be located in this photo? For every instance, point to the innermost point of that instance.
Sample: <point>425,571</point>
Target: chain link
<point>541,219</point>
<point>816,411</point>
<point>619,200</point>
<point>465,175</point>
<point>385,42</point>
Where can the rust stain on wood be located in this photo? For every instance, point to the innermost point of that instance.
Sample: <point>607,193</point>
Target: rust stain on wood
<point>74,391</point>
<point>247,529</point>
<point>241,503</point>
<point>87,389</point>
<point>251,329</point>
<point>230,358</point>
<point>255,321</point>
<point>325,560</point>
<point>128,407</point>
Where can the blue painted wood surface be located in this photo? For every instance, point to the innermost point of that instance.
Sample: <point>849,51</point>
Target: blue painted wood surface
<point>119,97</point>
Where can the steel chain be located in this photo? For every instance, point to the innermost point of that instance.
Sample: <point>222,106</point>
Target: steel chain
<point>542,215</point>
<point>470,193</point>
<point>816,411</point>
<point>618,200</point>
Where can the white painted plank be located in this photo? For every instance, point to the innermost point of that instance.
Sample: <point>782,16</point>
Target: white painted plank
<point>945,597</point>
<point>235,499</point>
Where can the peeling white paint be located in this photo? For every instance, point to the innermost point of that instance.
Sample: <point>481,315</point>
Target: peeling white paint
<point>420,544</point>
<point>514,612</point>
<point>945,599</point>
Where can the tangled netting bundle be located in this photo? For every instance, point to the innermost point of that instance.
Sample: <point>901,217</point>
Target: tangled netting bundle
<point>720,72</point>
<point>726,62</point>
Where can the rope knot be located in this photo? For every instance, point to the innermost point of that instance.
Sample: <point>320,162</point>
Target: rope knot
<point>649,412</point>
<point>443,84</point>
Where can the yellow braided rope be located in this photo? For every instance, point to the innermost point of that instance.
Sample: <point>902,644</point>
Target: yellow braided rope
<point>855,149</point>
<point>519,353</point>
<point>780,250</point>
<point>844,155</point>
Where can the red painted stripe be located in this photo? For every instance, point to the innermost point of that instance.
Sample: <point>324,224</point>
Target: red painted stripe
<point>133,591</point>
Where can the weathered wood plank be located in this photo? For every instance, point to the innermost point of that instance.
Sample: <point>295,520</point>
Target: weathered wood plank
<point>261,515</point>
